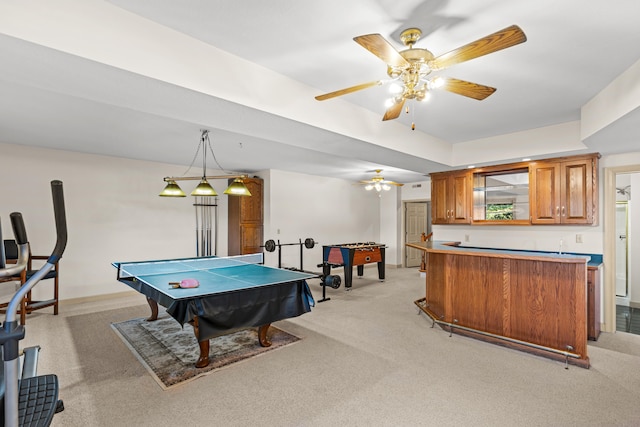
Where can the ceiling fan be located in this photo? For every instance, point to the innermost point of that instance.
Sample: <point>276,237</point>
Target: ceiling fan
<point>412,67</point>
<point>378,182</point>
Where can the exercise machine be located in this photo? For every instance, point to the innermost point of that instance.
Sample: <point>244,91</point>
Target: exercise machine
<point>332,281</point>
<point>270,246</point>
<point>29,399</point>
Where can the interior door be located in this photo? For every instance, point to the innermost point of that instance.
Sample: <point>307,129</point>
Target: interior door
<point>417,221</point>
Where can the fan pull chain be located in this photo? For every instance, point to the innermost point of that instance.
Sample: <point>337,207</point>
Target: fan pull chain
<point>413,125</point>
<point>413,118</point>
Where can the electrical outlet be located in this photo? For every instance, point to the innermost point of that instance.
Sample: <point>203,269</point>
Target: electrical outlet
<point>466,237</point>
<point>278,232</point>
<point>578,238</point>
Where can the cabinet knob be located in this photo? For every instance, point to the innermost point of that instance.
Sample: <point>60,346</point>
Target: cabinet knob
<point>563,211</point>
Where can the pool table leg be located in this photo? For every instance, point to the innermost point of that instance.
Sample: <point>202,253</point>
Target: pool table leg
<point>203,359</point>
<point>154,309</point>
<point>262,335</point>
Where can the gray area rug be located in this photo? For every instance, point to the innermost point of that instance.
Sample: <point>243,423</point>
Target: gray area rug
<point>169,352</point>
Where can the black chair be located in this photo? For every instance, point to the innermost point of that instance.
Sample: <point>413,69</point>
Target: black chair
<point>29,305</point>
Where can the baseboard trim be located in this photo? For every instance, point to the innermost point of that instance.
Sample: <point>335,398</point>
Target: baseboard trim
<point>94,298</point>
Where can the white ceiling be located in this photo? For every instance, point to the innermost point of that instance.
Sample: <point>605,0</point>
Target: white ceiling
<point>140,79</point>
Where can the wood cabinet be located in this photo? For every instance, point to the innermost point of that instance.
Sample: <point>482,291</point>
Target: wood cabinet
<point>593,303</point>
<point>245,220</point>
<point>565,191</point>
<point>451,197</point>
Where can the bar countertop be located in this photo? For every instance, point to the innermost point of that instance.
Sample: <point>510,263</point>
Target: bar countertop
<point>457,248</point>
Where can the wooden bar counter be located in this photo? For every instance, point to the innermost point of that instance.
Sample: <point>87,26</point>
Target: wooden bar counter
<point>531,301</point>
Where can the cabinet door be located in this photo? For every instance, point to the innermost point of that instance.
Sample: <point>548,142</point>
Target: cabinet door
<point>251,238</point>
<point>245,218</point>
<point>439,209</point>
<point>562,192</point>
<point>451,198</point>
<point>544,196</point>
<point>251,211</point>
<point>577,192</point>
<point>593,303</point>
<point>460,205</point>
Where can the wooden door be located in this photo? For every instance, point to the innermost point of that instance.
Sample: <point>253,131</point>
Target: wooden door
<point>416,223</point>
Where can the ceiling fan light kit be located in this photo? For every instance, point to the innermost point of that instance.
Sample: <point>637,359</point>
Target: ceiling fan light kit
<point>378,183</point>
<point>411,68</point>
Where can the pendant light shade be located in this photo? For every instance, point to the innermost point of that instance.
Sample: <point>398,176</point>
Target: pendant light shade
<point>204,189</point>
<point>237,188</point>
<point>172,190</point>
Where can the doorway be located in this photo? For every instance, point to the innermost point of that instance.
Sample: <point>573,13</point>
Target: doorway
<point>627,289</point>
<point>417,220</point>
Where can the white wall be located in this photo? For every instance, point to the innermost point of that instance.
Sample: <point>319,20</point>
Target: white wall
<point>113,213</point>
<point>416,191</point>
<point>328,210</point>
<point>391,234</point>
<point>538,237</point>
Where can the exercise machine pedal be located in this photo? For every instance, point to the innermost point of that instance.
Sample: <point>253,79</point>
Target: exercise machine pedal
<point>38,400</point>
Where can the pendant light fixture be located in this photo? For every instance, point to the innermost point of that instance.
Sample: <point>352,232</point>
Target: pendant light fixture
<point>236,188</point>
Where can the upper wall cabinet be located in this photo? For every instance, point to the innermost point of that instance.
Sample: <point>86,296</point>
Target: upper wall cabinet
<point>564,191</point>
<point>553,191</point>
<point>451,198</point>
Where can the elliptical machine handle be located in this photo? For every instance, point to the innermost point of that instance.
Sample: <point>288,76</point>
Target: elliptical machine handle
<point>61,221</point>
<point>19,231</point>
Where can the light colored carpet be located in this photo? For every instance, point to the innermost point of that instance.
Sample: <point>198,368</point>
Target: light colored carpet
<point>367,358</point>
<point>169,351</point>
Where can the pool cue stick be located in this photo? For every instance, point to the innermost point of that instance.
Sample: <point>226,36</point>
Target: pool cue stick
<point>197,234</point>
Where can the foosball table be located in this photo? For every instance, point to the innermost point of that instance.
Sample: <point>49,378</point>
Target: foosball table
<point>348,255</point>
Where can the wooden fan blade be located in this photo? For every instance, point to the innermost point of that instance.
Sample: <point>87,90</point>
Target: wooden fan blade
<point>394,111</point>
<point>381,48</point>
<point>499,40</point>
<point>464,88</point>
<point>348,90</point>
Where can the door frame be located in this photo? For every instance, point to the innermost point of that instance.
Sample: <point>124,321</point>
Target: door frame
<point>609,252</point>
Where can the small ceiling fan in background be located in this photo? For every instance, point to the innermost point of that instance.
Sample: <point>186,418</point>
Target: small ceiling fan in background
<point>378,183</point>
<point>411,68</point>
